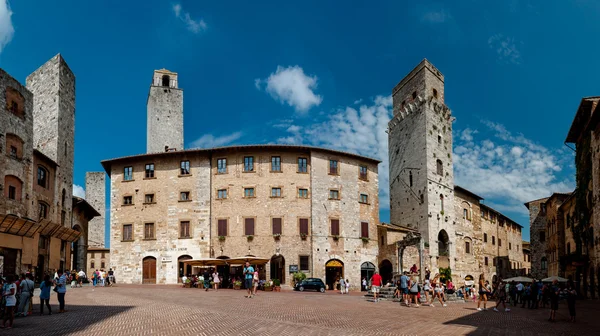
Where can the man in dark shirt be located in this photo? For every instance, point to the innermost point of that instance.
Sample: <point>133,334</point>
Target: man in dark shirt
<point>206,276</point>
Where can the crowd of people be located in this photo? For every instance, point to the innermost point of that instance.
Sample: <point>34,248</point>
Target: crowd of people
<point>210,278</point>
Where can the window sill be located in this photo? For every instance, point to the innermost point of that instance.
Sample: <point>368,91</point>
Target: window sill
<point>365,203</point>
<point>128,180</point>
<point>185,237</point>
<point>302,197</point>
<point>185,200</point>
<point>148,203</point>
<point>249,171</point>
<point>149,178</point>
<point>363,179</point>
<point>221,199</point>
<point>333,199</point>
<point>275,196</point>
<point>149,239</point>
<point>299,172</point>
<point>128,204</point>
<point>249,197</point>
<point>334,174</point>
<point>221,173</point>
<point>184,175</point>
<point>275,171</point>
<point>127,241</point>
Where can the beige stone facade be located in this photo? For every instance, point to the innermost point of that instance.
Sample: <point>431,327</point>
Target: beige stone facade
<point>98,258</point>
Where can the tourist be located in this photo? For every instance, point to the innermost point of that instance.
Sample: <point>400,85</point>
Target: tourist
<point>554,296</point>
<point>255,281</point>
<point>571,297</point>
<point>45,288</point>
<point>513,293</point>
<point>450,287</point>
<point>461,292</point>
<point>81,277</point>
<point>427,289</point>
<point>404,288</point>
<point>520,289</point>
<point>103,277</point>
<point>364,284</point>
<point>501,297</point>
<point>526,299</point>
<point>184,280</point>
<point>61,290</point>
<point>206,277</point>
<point>9,291</point>
<point>482,293</point>
<point>94,278</point>
<point>111,277</point>
<point>216,280</point>
<point>342,286</point>
<point>533,302</point>
<point>414,290</point>
<point>437,291</point>
<point>427,273</point>
<point>397,292</point>
<point>248,277</point>
<point>413,269</point>
<point>27,286</point>
<point>375,285</point>
<point>347,286</point>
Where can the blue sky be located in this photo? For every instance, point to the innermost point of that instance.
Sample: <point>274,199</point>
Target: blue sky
<point>321,73</point>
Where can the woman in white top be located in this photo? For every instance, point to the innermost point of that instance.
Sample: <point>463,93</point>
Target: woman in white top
<point>8,292</point>
<point>216,280</point>
<point>438,289</point>
<point>427,290</point>
<point>347,285</point>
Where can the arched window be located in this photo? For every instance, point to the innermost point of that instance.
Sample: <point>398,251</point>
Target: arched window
<point>64,196</point>
<point>434,93</point>
<point>422,198</point>
<point>468,247</point>
<point>43,210</point>
<point>14,146</point>
<point>440,167</point>
<point>92,264</point>
<point>12,187</point>
<point>466,213</point>
<point>42,176</point>
<point>165,80</point>
<point>442,201</point>
<point>544,264</point>
<point>410,179</point>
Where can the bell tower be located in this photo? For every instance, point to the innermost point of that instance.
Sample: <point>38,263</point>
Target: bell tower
<point>165,113</point>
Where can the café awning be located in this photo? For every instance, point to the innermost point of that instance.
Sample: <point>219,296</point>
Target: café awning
<point>27,227</point>
<point>251,260</point>
<point>205,262</point>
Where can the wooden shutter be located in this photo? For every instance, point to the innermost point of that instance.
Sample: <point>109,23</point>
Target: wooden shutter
<point>335,227</point>
<point>249,226</point>
<point>304,226</point>
<point>364,230</point>
<point>277,226</point>
<point>222,227</point>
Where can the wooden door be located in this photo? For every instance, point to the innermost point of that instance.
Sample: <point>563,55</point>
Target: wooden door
<point>149,270</point>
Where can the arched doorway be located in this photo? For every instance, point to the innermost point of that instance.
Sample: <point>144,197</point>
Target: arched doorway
<point>149,270</point>
<point>367,270</point>
<point>182,268</point>
<point>278,268</point>
<point>385,270</point>
<point>77,251</point>
<point>334,270</point>
<point>225,272</point>
<point>443,249</point>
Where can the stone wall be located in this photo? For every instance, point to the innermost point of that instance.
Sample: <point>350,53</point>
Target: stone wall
<point>99,259</point>
<point>468,231</point>
<point>80,220</point>
<point>95,195</point>
<point>165,116</point>
<point>538,237</point>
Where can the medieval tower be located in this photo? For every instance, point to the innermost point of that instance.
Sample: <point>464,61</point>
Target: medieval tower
<point>421,170</point>
<point>95,195</point>
<point>165,113</point>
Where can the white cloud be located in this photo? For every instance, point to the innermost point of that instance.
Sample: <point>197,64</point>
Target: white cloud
<point>360,131</point>
<point>78,191</point>
<point>6,27</point>
<point>209,140</point>
<point>437,16</point>
<point>290,85</point>
<point>505,48</point>
<point>195,26</point>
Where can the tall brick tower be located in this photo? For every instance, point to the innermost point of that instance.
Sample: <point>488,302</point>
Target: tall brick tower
<point>53,88</point>
<point>165,113</point>
<point>421,170</point>
<point>95,195</point>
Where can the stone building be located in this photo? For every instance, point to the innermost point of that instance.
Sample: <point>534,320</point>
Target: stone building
<point>83,215</point>
<point>306,208</point>
<point>36,169</point>
<point>165,113</point>
<point>95,194</point>
<point>98,258</point>
<point>538,238</point>
<point>457,231</point>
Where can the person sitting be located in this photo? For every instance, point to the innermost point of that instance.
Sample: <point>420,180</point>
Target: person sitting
<point>450,287</point>
<point>461,292</point>
<point>413,269</point>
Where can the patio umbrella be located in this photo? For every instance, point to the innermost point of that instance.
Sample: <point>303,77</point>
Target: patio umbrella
<point>205,262</point>
<point>519,279</point>
<point>251,260</point>
<point>554,277</point>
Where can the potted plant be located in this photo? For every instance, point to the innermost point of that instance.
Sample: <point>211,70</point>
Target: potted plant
<point>250,237</point>
<point>268,286</point>
<point>276,285</point>
<point>299,276</point>
<point>335,237</point>
<point>222,238</point>
<point>277,236</point>
<point>365,239</point>
<point>303,236</point>
<point>237,284</point>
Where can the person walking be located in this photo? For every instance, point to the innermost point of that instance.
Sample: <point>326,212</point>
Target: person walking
<point>554,296</point>
<point>206,276</point>
<point>45,288</point>
<point>216,280</point>
<point>255,281</point>
<point>61,290</point>
<point>376,285</point>
<point>482,293</point>
<point>248,277</point>
<point>438,288</point>
<point>342,286</point>
<point>404,288</point>
<point>571,298</point>
<point>9,291</point>
<point>501,297</point>
<point>414,290</point>
<point>364,284</point>
<point>81,278</point>
<point>27,286</point>
<point>111,277</point>
<point>347,286</point>
<point>520,288</point>
<point>427,290</point>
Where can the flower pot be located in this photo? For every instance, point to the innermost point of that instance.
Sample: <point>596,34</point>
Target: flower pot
<point>268,289</point>
<point>277,289</point>
<point>237,287</point>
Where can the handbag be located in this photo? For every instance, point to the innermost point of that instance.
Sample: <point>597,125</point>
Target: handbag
<point>55,289</point>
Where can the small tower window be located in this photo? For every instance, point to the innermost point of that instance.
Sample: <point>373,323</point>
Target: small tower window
<point>442,201</point>
<point>414,95</point>
<point>440,167</point>
<point>165,80</point>
<point>403,103</point>
<point>434,93</point>
<point>410,179</point>
<point>439,139</point>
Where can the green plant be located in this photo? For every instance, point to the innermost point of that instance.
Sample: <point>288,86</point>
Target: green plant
<point>212,283</point>
<point>221,238</point>
<point>445,274</point>
<point>442,212</point>
<point>276,282</point>
<point>365,239</point>
<point>303,235</point>
<point>277,236</point>
<point>299,276</point>
<point>237,283</point>
<point>426,245</point>
<point>335,237</point>
<point>250,237</point>
<point>267,284</point>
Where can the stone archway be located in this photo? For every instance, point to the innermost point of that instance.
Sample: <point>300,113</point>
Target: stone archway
<point>78,251</point>
<point>277,268</point>
<point>183,269</point>
<point>385,270</point>
<point>334,270</point>
<point>367,269</point>
<point>443,249</point>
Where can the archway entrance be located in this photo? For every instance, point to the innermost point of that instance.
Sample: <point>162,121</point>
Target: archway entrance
<point>225,273</point>
<point>278,268</point>
<point>334,270</point>
<point>385,270</point>
<point>149,270</point>
<point>367,270</point>
<point>443,250</point>
<point>183,269</point>
<point>77,251</point>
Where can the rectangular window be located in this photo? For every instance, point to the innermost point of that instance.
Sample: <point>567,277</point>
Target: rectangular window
<point>93,255</point>
<point>468,247</point>
<point>63,217</point>
<point>334,194</point>
<point>249,192</point>
<point>510,246</point>
<point>485,261</point>
<point>13,152</point>
<point>248,163</point>
<point>184,168</point>
<point>335,227</point>
<point>184,196</point>
<point>363,173</point>
<point>304,263</point>
<point>493,240</point>
<point>302,165</point>
<point>542,236</point>
<point>103,255</point>
<point>364,230</point>
<point>42,210</point>
<point>128,174</point>
<point>275,163</point>
<point>149,198</point>
<point>275,192</point>
<point>333,167</point>
<point>184,229</point>
<point>303,226</point>
<point>150,170</point>
<point>222,227</point>
<point>127,200</point>
<point>127,232</point>
<point>222,166</point>
<point>12,192</point>
<point>222,194</point>
<point>485,237</point>
<point>499,242</point>
<point>149,231</point>
<point>364,199</point>
<point>249,226</point>
<point>302,193</point>
<point>277,227</point>
<point>42,177</point>
<point>494,262</point>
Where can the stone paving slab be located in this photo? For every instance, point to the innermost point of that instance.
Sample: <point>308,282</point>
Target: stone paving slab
<point>170,310</point>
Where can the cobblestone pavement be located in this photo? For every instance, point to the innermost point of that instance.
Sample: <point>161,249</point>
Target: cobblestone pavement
<point>170,310</point>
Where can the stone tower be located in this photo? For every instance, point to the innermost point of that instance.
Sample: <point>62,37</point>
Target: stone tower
<point>53,88</point>
<point>421,170</point>
<point>165,113</point>
<point>95,195</point>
